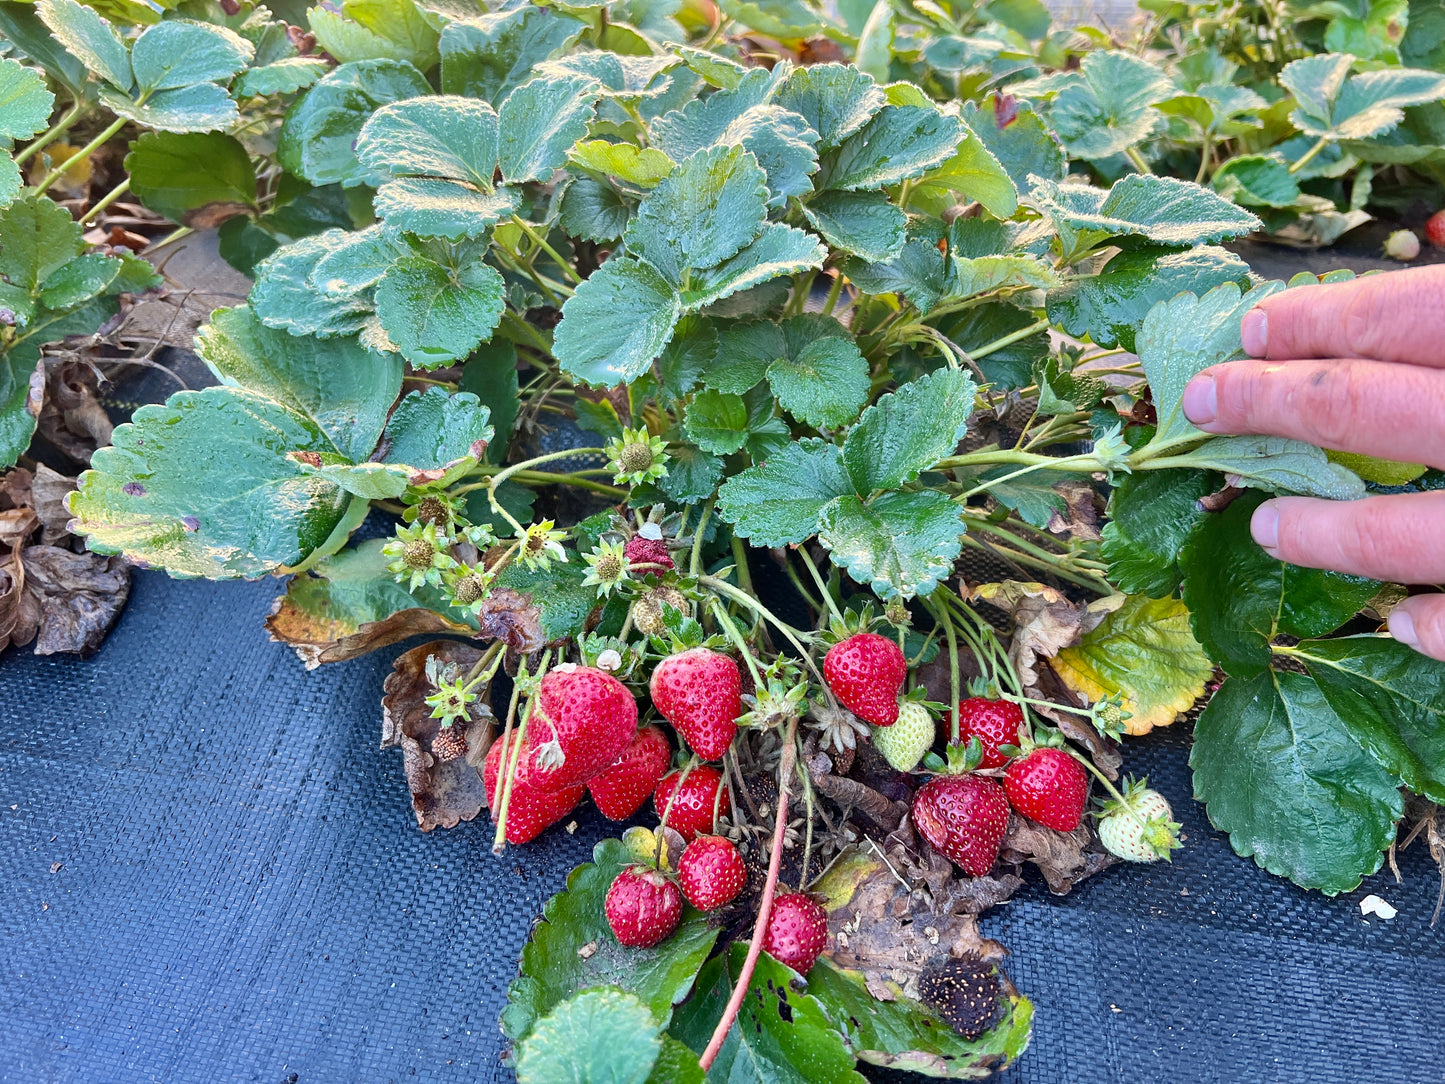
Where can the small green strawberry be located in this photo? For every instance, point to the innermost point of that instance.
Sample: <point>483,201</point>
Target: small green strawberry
<point>904,743</point>
<point>1141,828</point>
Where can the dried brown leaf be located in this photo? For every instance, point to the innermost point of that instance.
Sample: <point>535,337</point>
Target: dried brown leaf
<point>443,793</point>
<point>1044,620</point>
<point>317,638</point>
<point>1079,518</point>
<point>71,417</point>
<point>1064,858</point>
<point>48,492</point>
<point>77,596</point>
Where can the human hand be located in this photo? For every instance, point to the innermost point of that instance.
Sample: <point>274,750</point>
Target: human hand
<point>1359,367</point>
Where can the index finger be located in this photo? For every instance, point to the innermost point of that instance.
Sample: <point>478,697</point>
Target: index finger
<point>1396,316</point>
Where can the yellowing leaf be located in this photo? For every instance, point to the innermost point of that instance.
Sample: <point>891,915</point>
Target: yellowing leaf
<point>1144,652</point>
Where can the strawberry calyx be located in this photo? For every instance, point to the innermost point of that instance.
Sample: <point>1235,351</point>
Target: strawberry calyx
<point>960,758</point>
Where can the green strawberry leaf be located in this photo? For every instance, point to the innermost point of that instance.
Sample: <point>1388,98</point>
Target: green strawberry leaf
<point>488,56</point>
<point>973,173</point>
<point>203,107</point>
<point>898,544</point>
<point>717,422</point>
<point>22,27</point>
<point>692,474</point>
<point>1010,366</point>
<point>37,237</point>
<point>780,1036</point>
<point>491,375</point>
<point>1111,305</point>
<point>553,969</point>
<point>1280,772</point>
<point>284,76</point>
<point>78,281</point>
<point>1107,107</point>
<point>1144,654</point>
<point>1151,516</point>
<point>863,224</point>
<point>283,295</point>
<point>356,261</point>
<point>175,174</point>
<point>821,379</point>
<point>1333,104</point>
<point>981,259</point>
<point>704,212</point>
<point>319,134</point>
<point>594,210</point>
<point>400,26</point>
<point>600,1034</point>
<point>641,166</point>
<point>18,411</point>
<point>617,323</point>
<point>690,355</point>
<point>540,122</point>
<point>25,104</point>
<point>437,315</point>
<point>897,144</point>
<point>180,53</point>
<point>907,431</point>
<point>835,99</point>
<point>904,1034</point>
<point>434,136</point>
<point>1391,700</point>
<point>1275,464</point>
<point>432,207</point>
<point>1257,180</point>
<point>89,38</point>
<point>1018,140</point>
<point>1240,598</point>
<point>676,1064</point>
<point>437,435</point>
<point>778,501</point>
<point>916,273</point>
<point>778,250</point>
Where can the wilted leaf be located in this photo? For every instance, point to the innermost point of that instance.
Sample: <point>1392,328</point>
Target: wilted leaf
<point>1064,858</point>
<point>1045,621</point>
<point>77,597</point>
<point>443,793</point>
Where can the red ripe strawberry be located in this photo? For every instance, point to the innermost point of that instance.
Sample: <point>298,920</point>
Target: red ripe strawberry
<point>620,791</point>
<point>964,817</point>
<point>712,872</point>
<point>581,722</point>
<point>866,672</point>
<point>1435,229</point>
<point>529,811</point>
<point>692,803</point>
<point>641,550</point>
<point>797,931</point>
<point>1048,786</point>
<point>643,907</point>
<point>992,722</point>
<point>700,693</point>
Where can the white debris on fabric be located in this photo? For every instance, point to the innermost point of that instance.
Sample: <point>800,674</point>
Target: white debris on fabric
<point>1373,905</point>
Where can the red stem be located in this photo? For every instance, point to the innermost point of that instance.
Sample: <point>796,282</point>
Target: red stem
<point>765,909</point>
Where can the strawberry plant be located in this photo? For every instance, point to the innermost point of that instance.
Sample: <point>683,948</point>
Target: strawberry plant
<point>778,415</point>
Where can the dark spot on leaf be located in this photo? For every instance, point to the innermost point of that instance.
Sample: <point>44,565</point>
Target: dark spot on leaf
<point>133,489</point>
<point>311,459</point>
<point>785,1010</point>
<point>190,523</point>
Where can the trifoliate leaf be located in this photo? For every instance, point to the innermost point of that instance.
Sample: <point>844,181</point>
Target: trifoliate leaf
<point>1257,180</point>
<point>175,174</point>
<point>898,544</point>
<point>1334,104</point>
<point>486,57</point>
<point>342,390</point>
<point>405,30</point>
<point>617,323</point>
<point>899,143</point>
<point>594,210</point>
<point>25,104</point>
<point>835,99</point>
<point>777,502</point>
<point>540,121</point>
<point>778,250</point>
<point>863,224</point>
<point>1186,335</point>
<point>1162,209</point>
<point>319,135</point>
<point>717,71</point>
<point>283,295</point>
<point>435,314</point>
<point>711,206</point>
<point>1107,106</point>
<point>601,1034</point>
<point>433,136</point>
<point>90,38</point>
<point>972,173</point>
<point>642,166</point>
<point>1111,305</point>
<point>982,258</point>
<point>1240,598</point>
<point>1017,138</point>
<point>1276,464</point>
<point>181,53</point>
<point>716,422</point>
<point>284,76</point>
<point>916,273</point>
<point>1306,802</point>
<point>1151,516</point>
<point>703,122</point>
<point>905,432</point>
<point>689,355</point>
<point>1392,701</point>
<point>203,107</point>
<point>433,207</point>
<point>1144,653</point>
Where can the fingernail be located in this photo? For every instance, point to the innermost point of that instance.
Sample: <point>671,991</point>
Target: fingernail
<point>1253,331</point>
<point>1402,628</point>
<point>1200,400</point>
<point>1264,526</point>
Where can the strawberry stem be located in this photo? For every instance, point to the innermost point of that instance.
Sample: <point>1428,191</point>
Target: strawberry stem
<point>667,809</point>
<point>695,564</point>
<point>720,612</point>
<point>791,634</point>
<point>765,907</point>
<point>499,840</point>
<point>822,586</point>
<point>941,613</point>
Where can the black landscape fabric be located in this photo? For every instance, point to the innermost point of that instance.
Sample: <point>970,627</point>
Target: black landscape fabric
<point>211,874</point>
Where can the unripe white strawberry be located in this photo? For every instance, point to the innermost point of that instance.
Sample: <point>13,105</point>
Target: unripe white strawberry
<point>1402,245</point>
<point>1141,828</point>
<point>904,743</point>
